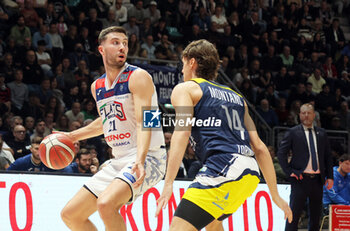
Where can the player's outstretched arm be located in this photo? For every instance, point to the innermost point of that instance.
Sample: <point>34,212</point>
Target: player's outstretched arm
<point>182,101</point>
<point>266,165</point>
<point>142,88</point>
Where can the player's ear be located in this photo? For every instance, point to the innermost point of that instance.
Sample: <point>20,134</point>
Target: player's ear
<point>100,49</point>
<point>192,61</point>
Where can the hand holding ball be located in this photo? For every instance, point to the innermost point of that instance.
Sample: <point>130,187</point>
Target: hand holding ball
<point>56,151</point>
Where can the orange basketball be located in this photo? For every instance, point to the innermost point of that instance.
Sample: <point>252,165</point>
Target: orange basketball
<point>56,151</point>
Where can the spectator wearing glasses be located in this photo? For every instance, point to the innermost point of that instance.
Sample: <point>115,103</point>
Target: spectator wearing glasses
<point>20,144</point>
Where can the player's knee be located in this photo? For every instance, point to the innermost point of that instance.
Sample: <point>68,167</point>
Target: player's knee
<point>66,216</point>
<point>105,208</point>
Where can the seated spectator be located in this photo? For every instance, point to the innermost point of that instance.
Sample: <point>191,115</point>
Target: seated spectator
<point>301,67</point>
<point>93,25</point>
<point>153,13</point>
<point>75,113</point>
<point>299,94</point>
<point>137,11</point>
<point>32,72</point>
<point>282,111</point>
<point>252,29</point>
<point>89,110</point>
<point>67,74</point>
<point>42,35</point>
<point>84,92</point>
<point>82,163</point>
<point>131,27</point>
<point>82,72</point>
<point>62,26</point>
<point>19,92</point>
<point>164,49</point>
<point>110,20</point>
<point>40,130</point>
<point>33,108</point>
<point>49,122</point>
<point>77,55</point>
<point>70,39</point>
<point>31,18</point>
<point>318,45</point>
<point>7,67</point>
<point>29,124</point>
<point>335,37</point>
<point>146,29</point>
<point>44,58</point>
<point>6,157</point>
<point>340,193</point>
<point>72,95</point>
<point>30,162</point>
<point>160,30</point>
<point>268,114</point>
<point>219,20</point>
<point>203,20</point>
<point>45,91</point>
<point>62,123</point>
<point>121,12</point>
<point>5,96</point>
<point>57,44</point>
<point>326,117</point>
<point>317,81</point>
<point>286,57</point>
<point>134,45</point>
<point>325,99</point>
<point>314,62</point>
<point>283,82</point>
<point>20,144</point>
<point>20,31</point>
<point>295,111</point>
<point>149,46</point>
<point>344,115</point>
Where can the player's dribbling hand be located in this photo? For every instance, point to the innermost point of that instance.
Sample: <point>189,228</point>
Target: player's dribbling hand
<point>164,198</point>
<point>67,134</point>
<point>139,169</point>
<point>282,204</point>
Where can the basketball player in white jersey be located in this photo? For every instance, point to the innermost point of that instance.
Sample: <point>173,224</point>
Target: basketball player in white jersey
<point>121,95</point>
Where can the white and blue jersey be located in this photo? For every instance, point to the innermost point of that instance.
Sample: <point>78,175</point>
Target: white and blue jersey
<point>116,106</point>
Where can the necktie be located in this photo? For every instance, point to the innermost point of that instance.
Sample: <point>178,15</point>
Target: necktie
<point>313,151</point>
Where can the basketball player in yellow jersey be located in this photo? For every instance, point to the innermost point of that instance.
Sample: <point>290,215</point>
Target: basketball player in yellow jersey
<point>229,150</point>
<point>121,95</point>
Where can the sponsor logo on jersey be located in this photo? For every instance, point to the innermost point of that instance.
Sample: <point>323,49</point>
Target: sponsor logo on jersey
<point>121,144</point>
<point>108,94</point>
<point>120,136</point>
<point>112,109</point>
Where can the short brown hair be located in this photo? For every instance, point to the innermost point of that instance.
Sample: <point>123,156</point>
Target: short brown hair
<point>36,140</point>
<point>344,157</point>
<point>207,58</point>
<point>111,29</point>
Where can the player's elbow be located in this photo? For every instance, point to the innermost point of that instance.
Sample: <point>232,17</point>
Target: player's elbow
<point>260,148</point>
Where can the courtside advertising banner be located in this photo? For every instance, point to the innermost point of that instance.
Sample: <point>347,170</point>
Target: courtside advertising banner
<point>339,217</point>
<point>33,202</point>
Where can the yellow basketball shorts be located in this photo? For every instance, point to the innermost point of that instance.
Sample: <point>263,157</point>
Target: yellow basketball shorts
<point>222,193</point>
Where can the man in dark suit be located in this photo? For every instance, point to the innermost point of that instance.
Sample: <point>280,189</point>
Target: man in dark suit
<point>309,168</point>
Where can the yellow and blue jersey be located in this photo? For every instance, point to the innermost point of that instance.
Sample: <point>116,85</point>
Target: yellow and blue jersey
<point>219,103</point>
